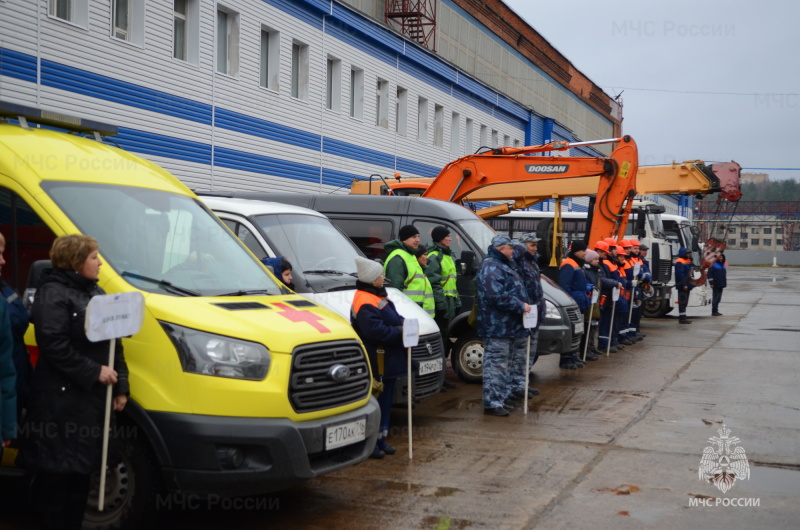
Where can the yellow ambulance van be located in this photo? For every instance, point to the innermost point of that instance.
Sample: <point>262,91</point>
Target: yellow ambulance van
<point>238,386</point>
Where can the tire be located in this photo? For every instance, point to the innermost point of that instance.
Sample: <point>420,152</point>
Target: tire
<point>133,487</point>
<point>467,358</point>
<point>656,308</point>
<point>544,231</point>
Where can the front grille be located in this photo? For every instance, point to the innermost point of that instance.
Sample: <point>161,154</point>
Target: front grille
<point>663,271</point>
<point>310,386</point>
<point>575,317</point>
<point>428,384</point>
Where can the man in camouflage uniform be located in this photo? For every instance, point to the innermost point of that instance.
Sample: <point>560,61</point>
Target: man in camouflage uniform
<point>501,304</point>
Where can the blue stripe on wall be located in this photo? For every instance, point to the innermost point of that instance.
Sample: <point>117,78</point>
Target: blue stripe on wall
<point>18,65</point>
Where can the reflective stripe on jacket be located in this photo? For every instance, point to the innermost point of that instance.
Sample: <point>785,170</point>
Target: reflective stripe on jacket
<point>416,286</point>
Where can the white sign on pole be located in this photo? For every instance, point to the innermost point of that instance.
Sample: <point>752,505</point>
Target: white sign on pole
<point>636,268</point>
<point>531,318</point>
<point>410,332</point>
<point>595,295</point>
<point>615,294</point>
<point>112,316</point>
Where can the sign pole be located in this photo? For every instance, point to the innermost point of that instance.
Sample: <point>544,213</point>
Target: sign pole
<point>614,298</point>
<point>106,428</point>
<point>410,339</point>
<point>410,393</point>
<point>527,373</point>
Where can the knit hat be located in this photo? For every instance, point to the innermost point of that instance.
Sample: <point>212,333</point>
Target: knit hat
<point>529,238</point>
<point>408,231</point>
<point>421,251</point>
<point>439,233</point>
<point>499,240</point>
<point>577,246</point>
<point>368,270</point>
<point>591,255</point>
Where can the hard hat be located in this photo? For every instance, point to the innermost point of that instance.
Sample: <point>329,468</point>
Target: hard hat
<point>635,242</point>
<point>610,241</point>
<point>626,243</point>
<point>621,251</point>
<point>602,245</point>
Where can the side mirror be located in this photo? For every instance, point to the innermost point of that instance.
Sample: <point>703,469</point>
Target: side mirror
<point>467,263</point>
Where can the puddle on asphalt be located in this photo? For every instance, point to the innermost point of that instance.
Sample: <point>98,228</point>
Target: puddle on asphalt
<point>398,486</point>
<point>774,481</point>
<point>774,279</point>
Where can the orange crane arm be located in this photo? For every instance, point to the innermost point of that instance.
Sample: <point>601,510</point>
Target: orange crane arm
<point>510,166</point>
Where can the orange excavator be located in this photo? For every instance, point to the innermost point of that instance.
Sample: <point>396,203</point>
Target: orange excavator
<point>511,166</point>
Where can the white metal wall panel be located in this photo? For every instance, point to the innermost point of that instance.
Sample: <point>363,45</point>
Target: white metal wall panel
<point>153,67</point>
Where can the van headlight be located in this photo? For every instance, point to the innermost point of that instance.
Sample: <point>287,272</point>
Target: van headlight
<point>551,311</point>
<point>210,354</point>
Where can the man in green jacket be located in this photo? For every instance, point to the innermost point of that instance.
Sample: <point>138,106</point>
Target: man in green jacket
<point>441,271</point>
<point>402,269</point>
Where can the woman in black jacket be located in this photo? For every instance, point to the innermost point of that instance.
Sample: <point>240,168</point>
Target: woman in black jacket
<point>64,426</point>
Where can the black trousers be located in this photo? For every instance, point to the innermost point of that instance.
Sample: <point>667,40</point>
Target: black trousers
<point>683,301</point>
<point>716,298</point>
<point>60,500</point>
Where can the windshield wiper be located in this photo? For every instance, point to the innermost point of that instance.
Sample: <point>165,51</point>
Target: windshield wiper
<point>167,286</point>
<point>244,292</point>
<point>324,271</point>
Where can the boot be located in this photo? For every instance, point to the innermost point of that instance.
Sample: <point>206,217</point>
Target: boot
<point>684,320</point>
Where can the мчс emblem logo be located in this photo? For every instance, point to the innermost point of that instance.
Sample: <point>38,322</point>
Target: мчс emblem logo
<point>722,463</point>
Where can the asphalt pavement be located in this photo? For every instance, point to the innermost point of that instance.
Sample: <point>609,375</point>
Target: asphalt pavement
<point>618,444</point>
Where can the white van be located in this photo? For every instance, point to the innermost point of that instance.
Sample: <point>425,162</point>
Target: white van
<point>324,271</point>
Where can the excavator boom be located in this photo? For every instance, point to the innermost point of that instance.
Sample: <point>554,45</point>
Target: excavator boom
<point>615,177</point>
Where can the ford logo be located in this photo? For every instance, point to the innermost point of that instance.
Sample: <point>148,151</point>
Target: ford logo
<point>339,373</point>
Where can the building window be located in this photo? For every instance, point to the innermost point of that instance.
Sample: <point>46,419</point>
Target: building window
<point>227,42</point>
<point>754,242</point>
<point>767,230</point>
<point>778,229</point>
<point>270,58</point>
<point>127,21</point>
<point>186,30</point>
<point>506,140</point>
<point>484,137</point>
<point>401,125</point>
<point>743,244</point>
<point>333,84</point>
<point>356,93</point>
<point>422,120</point>
<point>300,70</point>
<point>455,132</point>
<point>766,242</point>
<point>438,125</point>
<point>121,19</point>
<point>731,230</point>
<point>779,242</point>
<point>495,139</point>
<point>74,11</point>
<point>382,103</point>
<point>516,142</point>
<point>755,230</point>
<point>731,241</point>
<point>469,132</point>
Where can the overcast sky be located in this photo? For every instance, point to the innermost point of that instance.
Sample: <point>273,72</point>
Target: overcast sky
<point>715,80</point>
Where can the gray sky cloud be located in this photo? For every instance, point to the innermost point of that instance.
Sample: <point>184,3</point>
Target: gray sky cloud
<point>713,80</point>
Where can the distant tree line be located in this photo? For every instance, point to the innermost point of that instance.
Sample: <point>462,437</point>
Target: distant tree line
<point>779,190</point>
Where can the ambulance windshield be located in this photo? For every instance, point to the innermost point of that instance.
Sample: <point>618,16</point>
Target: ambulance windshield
<point>162,242</point>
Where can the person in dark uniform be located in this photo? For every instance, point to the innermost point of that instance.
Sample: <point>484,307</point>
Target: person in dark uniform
<point>718,278</point>
<point>683,276</point>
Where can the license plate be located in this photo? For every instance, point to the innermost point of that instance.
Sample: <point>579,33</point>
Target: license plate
<point>429,367</point>
<point>578,327</point>
<point>345,433</point>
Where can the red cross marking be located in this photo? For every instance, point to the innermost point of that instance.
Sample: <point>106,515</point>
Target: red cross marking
<point>295,315</point>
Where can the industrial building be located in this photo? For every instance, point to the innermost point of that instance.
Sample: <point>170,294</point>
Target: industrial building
<point>299,95</point>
